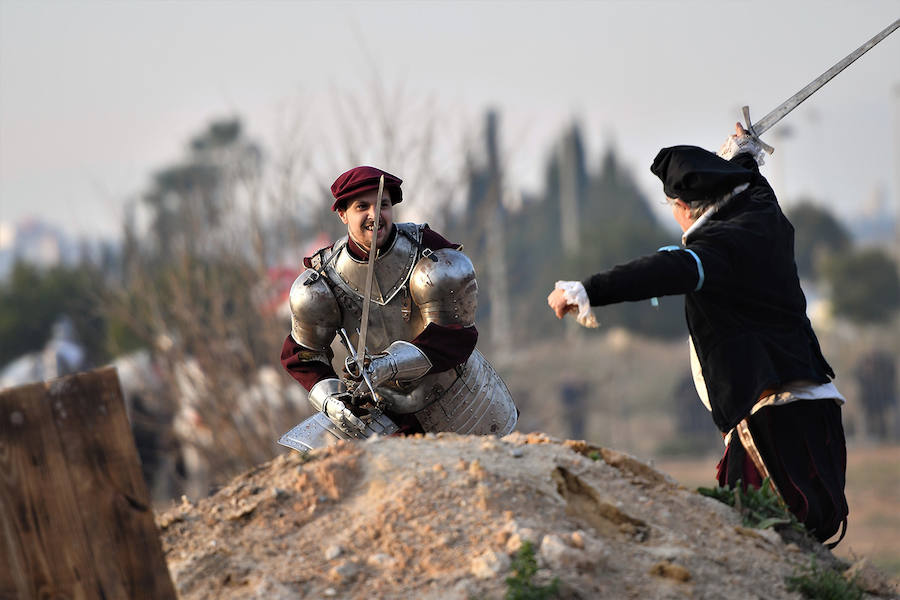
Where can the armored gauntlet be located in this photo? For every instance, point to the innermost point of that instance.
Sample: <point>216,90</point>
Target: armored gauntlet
<point>328,397</point>
<point>401,361</point>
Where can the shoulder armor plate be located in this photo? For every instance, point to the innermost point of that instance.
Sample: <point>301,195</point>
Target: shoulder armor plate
<point>315,315</point>
<point>445,289</point>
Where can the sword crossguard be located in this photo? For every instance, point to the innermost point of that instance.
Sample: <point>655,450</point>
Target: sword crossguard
<point>359,370</point>
<point>748,125</point>
<point>352,367</point>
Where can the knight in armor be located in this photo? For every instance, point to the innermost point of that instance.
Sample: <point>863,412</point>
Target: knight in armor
<point>420,344</point>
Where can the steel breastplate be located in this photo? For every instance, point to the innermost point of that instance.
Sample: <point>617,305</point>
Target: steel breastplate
<point>392,314</point>
<point>471,399</point>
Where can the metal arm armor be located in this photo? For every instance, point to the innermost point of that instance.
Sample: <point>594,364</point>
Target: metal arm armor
<point>445,289</point>
<point>315,314</point>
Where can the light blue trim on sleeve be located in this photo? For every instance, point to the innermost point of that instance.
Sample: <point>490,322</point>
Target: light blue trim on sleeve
<point>701,276</point>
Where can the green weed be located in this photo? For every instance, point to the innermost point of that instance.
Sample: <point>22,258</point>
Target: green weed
<point>760,508</point>
<point>819,583</point>
<point>521,585</point>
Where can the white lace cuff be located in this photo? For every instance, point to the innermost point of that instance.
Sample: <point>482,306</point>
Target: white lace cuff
<point>574,293</point>
<point>734,145</point>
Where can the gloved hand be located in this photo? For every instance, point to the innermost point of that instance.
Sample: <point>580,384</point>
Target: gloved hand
<point>382,368</point>
<point>401,361</point>
<point>330,397</point>
<point>742,141</point>
<point>338,413</point>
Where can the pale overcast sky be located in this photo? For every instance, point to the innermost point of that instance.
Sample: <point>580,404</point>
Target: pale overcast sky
<point>95,96</point>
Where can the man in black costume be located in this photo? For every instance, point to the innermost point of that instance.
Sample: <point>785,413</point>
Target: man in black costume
<point>756,361</point>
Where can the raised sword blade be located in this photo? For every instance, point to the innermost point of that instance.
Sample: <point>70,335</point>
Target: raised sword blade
<point>370,275</point>
<point>758,128</point>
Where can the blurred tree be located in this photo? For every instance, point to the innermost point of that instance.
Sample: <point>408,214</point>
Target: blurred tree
<point>204,238</point>
<point>865,287</point>
<point>483,225</point>
<point>512,252</point>
<point>197,192</point>
<point>194,291</point>
<point>817,235</point>
<point>578,226</point>
<point>619,225</point>
<point>32,299</point>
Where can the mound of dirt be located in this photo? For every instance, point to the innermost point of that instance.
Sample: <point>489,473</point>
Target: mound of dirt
<point>443,517</point>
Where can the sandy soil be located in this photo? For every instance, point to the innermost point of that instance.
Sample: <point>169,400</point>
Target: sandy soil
<point>442,516</point>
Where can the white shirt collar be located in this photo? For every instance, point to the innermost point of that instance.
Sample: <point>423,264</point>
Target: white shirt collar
<point>712,210</point>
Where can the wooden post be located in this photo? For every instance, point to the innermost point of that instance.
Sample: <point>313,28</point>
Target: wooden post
<point>75,515</point>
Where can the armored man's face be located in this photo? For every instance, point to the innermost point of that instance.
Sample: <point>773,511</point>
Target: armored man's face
<point>359,217</point>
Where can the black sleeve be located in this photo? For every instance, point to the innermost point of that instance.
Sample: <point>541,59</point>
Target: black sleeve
<point>745,160</point>
<point>665,273</point>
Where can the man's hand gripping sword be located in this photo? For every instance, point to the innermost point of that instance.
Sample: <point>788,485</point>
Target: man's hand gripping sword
<point>353,369</point>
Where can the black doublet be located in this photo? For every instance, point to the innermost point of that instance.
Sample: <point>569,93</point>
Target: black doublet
<point>748,318</point>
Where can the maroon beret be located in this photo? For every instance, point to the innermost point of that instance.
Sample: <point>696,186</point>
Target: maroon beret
<point>360,180</point>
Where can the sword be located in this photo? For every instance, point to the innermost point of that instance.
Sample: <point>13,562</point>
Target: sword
<point>757,129</point>
<point>353,359</point>
<point>370,276</point>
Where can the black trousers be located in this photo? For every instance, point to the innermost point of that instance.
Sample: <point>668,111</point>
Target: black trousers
<point>802,445</point>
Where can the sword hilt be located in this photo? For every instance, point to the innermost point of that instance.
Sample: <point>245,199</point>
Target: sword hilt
<point>748,126</point>
<point>359,362</point>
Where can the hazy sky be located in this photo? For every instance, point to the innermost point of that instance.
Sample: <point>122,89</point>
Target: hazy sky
<point>95,96</point>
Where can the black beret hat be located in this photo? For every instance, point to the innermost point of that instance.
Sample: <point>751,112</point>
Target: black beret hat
<point>693,174</point>
<point>360,180</point>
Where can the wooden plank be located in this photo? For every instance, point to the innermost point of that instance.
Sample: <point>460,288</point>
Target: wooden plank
<point>86,494</point>
<point>43,549</point>
<point>106,472</point>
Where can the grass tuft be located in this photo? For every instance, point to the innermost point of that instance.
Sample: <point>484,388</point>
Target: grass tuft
<point>819,583</point>
<point>521,584</point>
<point>760,508</point>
